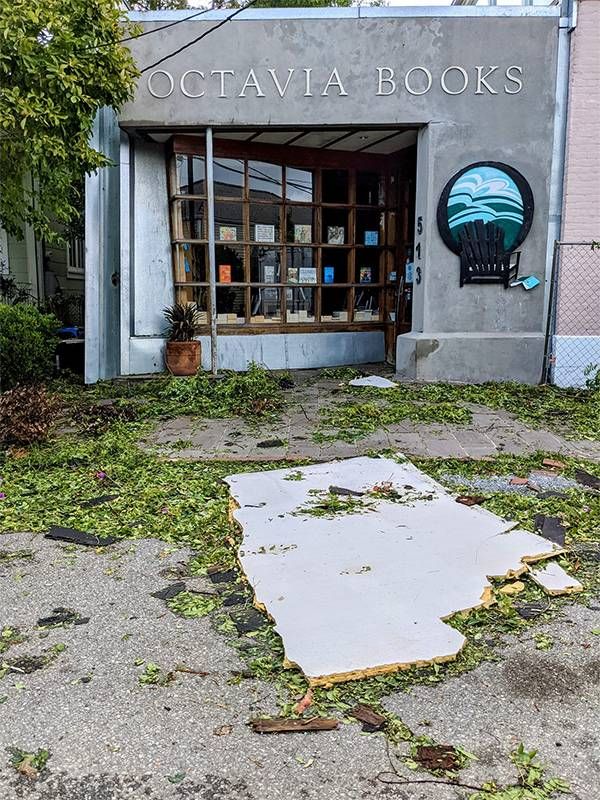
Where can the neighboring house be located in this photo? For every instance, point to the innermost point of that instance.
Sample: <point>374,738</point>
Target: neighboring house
<point>53,274</point>
<point>575,347</point>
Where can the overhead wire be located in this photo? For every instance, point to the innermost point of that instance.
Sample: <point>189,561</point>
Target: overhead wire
<point>199,38</point>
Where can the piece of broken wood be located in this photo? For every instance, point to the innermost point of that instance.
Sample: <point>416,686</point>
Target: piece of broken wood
<point>434,757</point>
<point>283,725</point>
<point>470,499</point>
<point>550,462</point>
<point>304,703</point>
<point>516,481</point>
<point>373,720</point>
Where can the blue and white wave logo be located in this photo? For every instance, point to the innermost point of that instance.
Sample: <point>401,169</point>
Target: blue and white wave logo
<point>486,194</point>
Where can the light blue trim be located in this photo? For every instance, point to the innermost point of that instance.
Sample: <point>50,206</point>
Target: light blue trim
<point>357,12</point>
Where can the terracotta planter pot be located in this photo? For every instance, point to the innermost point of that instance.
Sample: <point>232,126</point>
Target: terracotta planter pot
<point>183,358</point>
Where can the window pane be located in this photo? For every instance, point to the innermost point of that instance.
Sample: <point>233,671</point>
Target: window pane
<point>228,177</point>
<point>299,185</point>
<point>230,264</point>
<point>335,186</point>
<point>370,227</point>
<point>191,175</point>
<point>300,305</point>
<point>231,305</point>
<point>190,263</point>
<point>366,305</point>
<point>300,224</point>
<point>335,265</point>
<point>334,305</point>
<point>370,188</point>
<point>265,264</point>
<point>335,226</point>
<point>229,222</point>
<point>265,180</point>
<point>265,305</point>
<point>369,265</point>
<point>193,218</point>
<point>264,223</point>
<point>301,265</point>
<point>197,295</point>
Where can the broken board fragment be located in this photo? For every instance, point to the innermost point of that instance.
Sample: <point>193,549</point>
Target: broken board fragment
<point>285,725</point>
<point>587,479</point>
<point>372,720</point>
<point>374,381</point>
<point>78,537</point>
<point>554,580</point>
<point>428,558</point>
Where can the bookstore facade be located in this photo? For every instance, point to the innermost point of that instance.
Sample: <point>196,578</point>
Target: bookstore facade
<point>334,186</point>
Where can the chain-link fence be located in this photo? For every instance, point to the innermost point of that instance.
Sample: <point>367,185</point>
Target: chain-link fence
<point>573,343</point>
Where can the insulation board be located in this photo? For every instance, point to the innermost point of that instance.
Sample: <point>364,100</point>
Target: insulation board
<point>367,592</point>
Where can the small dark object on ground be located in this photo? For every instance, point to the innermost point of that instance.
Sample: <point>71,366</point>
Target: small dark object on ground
<point>343,492</point>
<point>78,537</point>
<point>98,501</point>
<point>372,720</point>
<point>285,725</point>
<point>550,528</point>
<point>531,610</point>
<point>552,493</point>
<point>285,382</point>
<point>249,622</point>
<point>437,757</point>
<point>222,576</point>
<point>190,671</point>
<point>470,500</point>
<point>62,616</point>
<point>587,479</point>
<point>27,664</point>
<point>235,599</point>
<point>271,443</point>
<point>170,591</point>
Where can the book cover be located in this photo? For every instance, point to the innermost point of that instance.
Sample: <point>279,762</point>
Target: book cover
<point>307,275</point>
<point>335,234</point>
<point>292,274</point>
<point>303,234</point>
<point>227,233</point>
<point>224,273</point>
<point>328,274</point>
<point>365,275</point>
<point>264,233</point>
<point>371,238</point>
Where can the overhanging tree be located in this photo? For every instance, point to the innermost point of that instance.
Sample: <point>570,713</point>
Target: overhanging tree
<point>60,61</point>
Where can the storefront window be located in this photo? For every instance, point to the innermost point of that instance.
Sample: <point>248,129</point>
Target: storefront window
<point>294,246</point>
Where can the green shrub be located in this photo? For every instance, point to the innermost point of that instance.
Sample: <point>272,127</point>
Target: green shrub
<point>28,342</point>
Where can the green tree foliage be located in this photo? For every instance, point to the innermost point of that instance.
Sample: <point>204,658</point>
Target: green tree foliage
<point>60,61</point>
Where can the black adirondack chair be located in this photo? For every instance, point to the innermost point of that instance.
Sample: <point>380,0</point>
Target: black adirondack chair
<point>483,258</point>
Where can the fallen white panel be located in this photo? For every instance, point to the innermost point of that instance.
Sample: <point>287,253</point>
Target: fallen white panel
<point>366,592</point>
<point>374,380</point>
<point>554,580</point>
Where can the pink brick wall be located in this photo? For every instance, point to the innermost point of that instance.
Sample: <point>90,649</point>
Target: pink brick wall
<point>579,289</point>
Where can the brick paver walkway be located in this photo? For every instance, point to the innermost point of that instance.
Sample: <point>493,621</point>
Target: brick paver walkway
<point>490,432</point>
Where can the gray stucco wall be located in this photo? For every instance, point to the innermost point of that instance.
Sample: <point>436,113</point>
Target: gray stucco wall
<point>501,124</point>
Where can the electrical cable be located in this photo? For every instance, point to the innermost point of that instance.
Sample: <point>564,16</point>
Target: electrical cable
<point>199,38</point>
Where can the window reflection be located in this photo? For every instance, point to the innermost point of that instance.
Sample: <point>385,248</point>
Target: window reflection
<point>228,176</point>
<point>265,180</point>
<point>299,185</point>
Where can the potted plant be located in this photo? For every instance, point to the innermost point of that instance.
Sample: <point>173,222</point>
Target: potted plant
<point>182,355</point>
